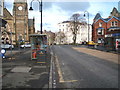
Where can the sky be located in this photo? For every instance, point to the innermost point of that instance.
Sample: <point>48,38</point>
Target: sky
<point>56,11</point>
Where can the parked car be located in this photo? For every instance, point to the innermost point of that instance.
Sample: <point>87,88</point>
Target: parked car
<point>92,43</point>
<point>27,45</point>
<point>6,46</point>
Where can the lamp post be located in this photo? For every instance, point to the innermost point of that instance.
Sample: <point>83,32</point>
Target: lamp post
<point>88,24</point>
<point>40,10</point>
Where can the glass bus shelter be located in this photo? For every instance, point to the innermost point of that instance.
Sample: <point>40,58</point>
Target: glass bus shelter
<point>38,47</point>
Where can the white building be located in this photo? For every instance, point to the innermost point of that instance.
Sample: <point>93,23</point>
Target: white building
<point>82,34</point>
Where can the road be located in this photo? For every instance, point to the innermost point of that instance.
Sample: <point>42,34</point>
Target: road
<point>77,69</point>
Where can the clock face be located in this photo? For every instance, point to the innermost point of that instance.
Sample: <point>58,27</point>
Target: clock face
<point>20,8</point>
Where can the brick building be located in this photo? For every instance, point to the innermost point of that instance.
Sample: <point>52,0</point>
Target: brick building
<point>107,30</point>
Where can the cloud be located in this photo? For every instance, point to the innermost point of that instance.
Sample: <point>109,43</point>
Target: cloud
<point>73,6</point>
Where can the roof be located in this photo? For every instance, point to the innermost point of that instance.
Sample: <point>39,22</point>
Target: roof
<point>7,14</point>
<point>97,16</point>
<point>107,19</point>
<point>115,28</point>
<point>100,28</point>
<point>33,35</point>
<point>65,21</point>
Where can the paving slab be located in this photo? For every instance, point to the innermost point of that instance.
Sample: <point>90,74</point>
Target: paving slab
<point>21,69</point>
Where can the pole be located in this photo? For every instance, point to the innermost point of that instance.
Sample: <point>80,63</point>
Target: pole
<point>11,45</point>
<point>41,16</point>
<point>88,29</point>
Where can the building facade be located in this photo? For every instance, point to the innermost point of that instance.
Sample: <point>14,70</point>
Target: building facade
<point>65,35</point>
<point>107,30</point>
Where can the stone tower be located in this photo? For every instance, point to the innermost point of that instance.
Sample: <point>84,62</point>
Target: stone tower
<point>20,16</point>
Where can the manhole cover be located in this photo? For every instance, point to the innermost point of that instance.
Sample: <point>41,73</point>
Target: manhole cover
<point>21,69</point>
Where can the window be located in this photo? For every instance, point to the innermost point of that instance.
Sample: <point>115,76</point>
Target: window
<point>114,23</point>
<point>100,24</point>
<point>100,40</point>
<point>100,32</point>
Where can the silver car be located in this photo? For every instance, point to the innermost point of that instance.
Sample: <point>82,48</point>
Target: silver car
<point>6,46</point>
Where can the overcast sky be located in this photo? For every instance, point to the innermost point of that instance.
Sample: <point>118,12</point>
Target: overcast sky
<point>56,11</point>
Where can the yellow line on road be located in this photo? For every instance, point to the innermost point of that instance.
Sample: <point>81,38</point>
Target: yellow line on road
<point>69,81</point>
<point>41,62</point>
<point>61,80</point>
<point>59,70</point>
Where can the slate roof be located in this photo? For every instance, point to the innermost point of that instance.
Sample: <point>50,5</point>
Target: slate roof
<point>97,16</point>
<point>7,14</point>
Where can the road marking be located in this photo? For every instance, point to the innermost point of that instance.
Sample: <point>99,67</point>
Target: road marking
<point>61,80</point>
<point>59,70</point>
<point>41,62</point>
<point>69,81</point>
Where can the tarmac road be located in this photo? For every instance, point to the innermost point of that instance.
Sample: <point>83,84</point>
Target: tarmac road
<point>81,70</point>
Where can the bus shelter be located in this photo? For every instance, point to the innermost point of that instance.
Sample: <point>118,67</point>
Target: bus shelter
<point>38,47</point>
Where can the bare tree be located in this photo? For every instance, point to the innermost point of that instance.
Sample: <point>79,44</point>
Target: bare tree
<point>60,36</point>
<point>75,21</point>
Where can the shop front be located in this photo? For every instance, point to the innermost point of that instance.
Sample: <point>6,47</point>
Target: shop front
<point>112,41</point>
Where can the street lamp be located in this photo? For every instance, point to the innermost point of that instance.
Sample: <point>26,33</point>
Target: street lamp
<point>88,24</point>
<point>40,10</point>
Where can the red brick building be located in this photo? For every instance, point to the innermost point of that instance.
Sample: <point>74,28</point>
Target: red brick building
<point>106,31</point>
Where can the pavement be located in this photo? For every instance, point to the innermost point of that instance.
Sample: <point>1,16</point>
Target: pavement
<point>102,48</point>
<point>22,72</point>
<point>100,54</point>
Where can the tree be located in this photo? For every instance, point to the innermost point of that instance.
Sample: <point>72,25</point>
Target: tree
<point>60,36</point>
<point>75,21</point>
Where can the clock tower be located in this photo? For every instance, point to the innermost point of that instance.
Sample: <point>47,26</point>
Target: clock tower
<point>20,15</point>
